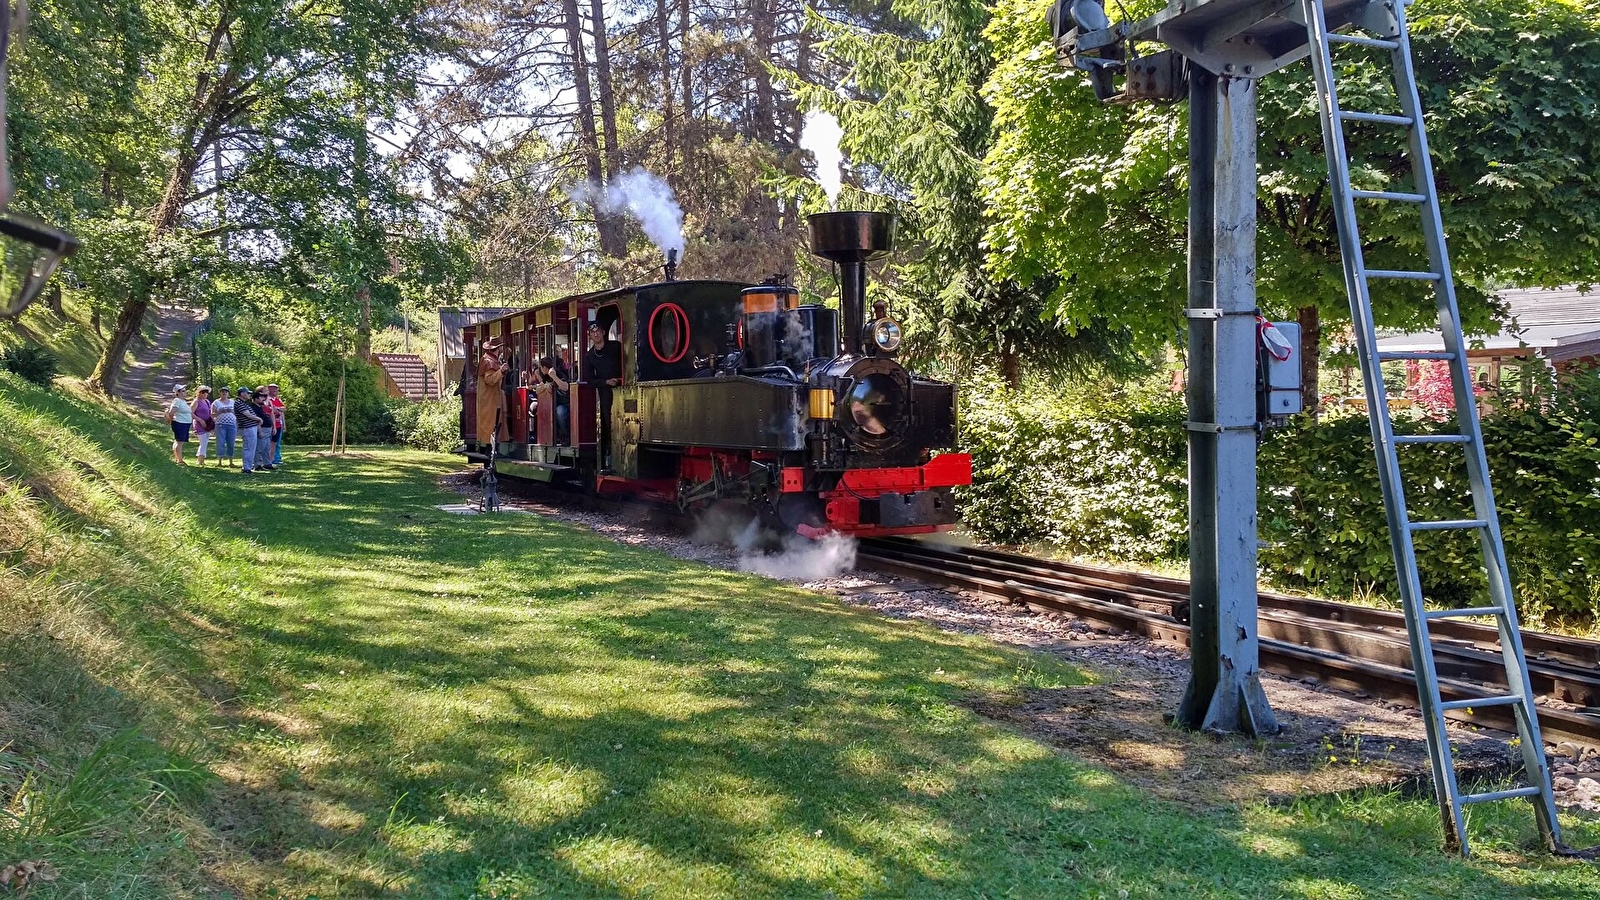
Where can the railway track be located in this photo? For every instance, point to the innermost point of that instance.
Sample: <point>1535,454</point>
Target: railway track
<point>1347,647</point>
<point>1352,648</point>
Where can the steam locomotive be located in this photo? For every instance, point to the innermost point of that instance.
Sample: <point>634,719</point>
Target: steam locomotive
<point>736,393</point>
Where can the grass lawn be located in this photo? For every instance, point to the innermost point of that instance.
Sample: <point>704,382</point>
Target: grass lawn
<point>339,691</point>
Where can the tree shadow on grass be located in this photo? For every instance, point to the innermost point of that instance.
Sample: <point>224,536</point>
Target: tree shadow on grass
<point>628,723</point>
<point>503,706</point>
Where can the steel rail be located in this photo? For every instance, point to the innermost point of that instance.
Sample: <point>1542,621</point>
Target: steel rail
<point>1351,648</point>
<point>1301,637</point>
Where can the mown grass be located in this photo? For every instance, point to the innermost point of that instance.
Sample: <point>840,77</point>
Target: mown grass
<point>315,684</point>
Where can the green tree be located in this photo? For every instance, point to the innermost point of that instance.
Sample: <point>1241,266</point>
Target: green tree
<point>82,147</point>
<point>1091,198</point>
<point>917,128</point>
<point>268,106</point>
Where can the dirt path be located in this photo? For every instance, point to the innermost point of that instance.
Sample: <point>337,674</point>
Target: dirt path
<point>161,363</point>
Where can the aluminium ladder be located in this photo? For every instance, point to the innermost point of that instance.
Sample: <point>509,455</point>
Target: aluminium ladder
<point>1384,27</point>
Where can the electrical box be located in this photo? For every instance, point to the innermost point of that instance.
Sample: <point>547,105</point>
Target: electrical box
<point>1280,351</point>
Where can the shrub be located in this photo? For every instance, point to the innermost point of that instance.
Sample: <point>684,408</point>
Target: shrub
<point>32,362</point>
<point>1109,478</point>
<point>312,391</point>
<point>1103,474</point>
<point>233,378</point>
<point>1325,523</point>
<point>433,425</point>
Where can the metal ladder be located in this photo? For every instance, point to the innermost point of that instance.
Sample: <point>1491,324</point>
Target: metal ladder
<point>1384,27</point>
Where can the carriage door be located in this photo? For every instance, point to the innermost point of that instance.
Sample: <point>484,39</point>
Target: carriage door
<point>581,398</point>
<point>521,368</point>
<point>544,424</point>
<point>469,385</point>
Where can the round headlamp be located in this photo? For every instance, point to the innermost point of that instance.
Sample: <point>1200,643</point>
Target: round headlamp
<point>886,335</point>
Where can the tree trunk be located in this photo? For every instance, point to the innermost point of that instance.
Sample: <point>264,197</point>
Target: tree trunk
<point>668,126</point>
<point>363,192</point>
<point>207,116</point>
<point>1310,357</point>
<point>685,79</point>
<point>588,133</point>
<point>364,332</point>
<point>761,32</point>
<point>52,299</point>
<point>602,83</point>
<point>614,238</point>
<point>1011,365</point>
<point>162,221</point>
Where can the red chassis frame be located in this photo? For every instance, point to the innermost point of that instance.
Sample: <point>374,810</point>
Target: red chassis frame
<point>842,504</point>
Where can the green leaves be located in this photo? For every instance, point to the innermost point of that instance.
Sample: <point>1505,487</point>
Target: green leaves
<point>1094,196</point>
<point>1106,476</point>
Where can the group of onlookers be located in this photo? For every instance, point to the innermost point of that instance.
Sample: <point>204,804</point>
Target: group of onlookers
<point>254,418</point>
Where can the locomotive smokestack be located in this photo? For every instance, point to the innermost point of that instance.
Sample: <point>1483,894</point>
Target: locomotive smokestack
<point>672,264</point>
<point>852,239</point>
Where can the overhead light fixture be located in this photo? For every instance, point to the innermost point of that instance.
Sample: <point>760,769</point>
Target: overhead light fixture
<point>32,251</point>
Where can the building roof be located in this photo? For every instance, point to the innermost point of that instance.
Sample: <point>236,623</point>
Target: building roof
<point>1532,307</point>
<point>1557,323</point>
<point>454,318</point>
<point>410,374</point>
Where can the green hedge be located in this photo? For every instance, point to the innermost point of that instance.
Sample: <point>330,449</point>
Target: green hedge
<point>430,425</point>
<point>1104,475</point>
<point>1110,480</point>
<point>312,392</point>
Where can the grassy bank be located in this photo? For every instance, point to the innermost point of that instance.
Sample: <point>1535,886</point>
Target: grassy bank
<point>70,336</point>
<point>314,683</point>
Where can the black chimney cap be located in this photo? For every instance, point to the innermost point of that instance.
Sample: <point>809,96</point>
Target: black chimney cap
<point>852,236</point>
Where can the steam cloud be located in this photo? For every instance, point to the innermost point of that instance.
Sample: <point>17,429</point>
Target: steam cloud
<point>820,134</point>
<point>645,197</point>
<point>802,560</point>
<point>794,559</point>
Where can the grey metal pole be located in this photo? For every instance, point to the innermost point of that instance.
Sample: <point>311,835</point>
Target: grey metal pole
<point>1224,654</point>
<point>1202,405</point>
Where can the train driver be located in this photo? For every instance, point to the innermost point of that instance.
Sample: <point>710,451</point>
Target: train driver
<point>602,370</point>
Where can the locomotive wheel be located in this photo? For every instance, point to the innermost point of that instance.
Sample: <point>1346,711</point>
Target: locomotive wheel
<point>794,510</point>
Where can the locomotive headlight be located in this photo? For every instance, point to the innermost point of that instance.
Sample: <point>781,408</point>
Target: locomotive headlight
<point>886,334</point>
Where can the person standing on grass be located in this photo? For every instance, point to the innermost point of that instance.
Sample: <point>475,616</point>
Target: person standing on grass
<point>227,426</point>
<point>205,425</point>
<point>264,437</point>
<point>249,416</point>
<point>277,437</point>
<point>181,418</point>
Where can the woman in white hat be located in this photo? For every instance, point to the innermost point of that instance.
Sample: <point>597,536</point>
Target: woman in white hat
<point>181,418</point>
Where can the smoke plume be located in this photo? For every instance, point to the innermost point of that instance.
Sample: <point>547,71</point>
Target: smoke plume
<point>642,195</point>
<point>788,557</point>
<point>820,134</point>
<point>799,559</point>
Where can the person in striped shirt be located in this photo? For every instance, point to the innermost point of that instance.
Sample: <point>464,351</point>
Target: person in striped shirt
<point>249,416</point>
